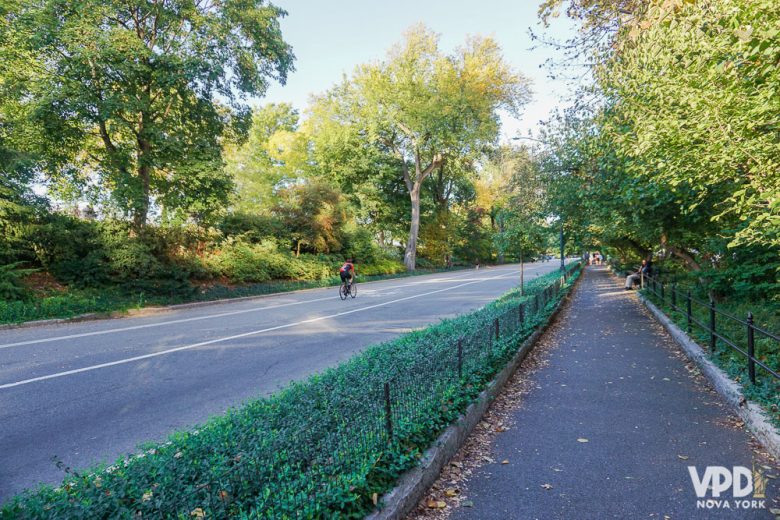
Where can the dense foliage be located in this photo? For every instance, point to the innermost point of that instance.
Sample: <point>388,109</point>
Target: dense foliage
<point>133,170</point>
<point>677,156</point>
<point>320,448</point>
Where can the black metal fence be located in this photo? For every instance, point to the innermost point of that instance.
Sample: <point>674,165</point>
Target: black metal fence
<point>308,465</point>
<point>688,305</point>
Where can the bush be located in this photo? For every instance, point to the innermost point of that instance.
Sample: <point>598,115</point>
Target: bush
<point>318,449</point>
<point>71,250</point>
<point>381,266</point>
<point>11,285</point>
<point>250,227</point>
<point>359,244</point>
<point>243,262</point>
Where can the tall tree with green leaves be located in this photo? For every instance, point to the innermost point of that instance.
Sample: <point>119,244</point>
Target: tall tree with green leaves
<point>136,95</point>
<point>273,157</point>
<point>424,107</point>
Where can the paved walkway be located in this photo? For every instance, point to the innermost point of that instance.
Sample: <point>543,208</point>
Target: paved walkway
<point>616,380</point>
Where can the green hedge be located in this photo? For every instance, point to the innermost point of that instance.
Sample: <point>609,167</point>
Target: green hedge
<point>320,448</point>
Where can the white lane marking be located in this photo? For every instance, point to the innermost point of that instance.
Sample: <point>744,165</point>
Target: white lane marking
<point>159,324</point>
<point>236,336</point>
<point>198,318</point>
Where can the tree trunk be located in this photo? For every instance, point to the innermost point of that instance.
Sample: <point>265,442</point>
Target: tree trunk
<point>144,174</point>
<point>501,231</point>
<point>410,257</point>
<point>522,274</point>
<point>142,209</point>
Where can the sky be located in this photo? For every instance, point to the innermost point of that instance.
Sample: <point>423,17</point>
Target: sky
<point>330,38</point>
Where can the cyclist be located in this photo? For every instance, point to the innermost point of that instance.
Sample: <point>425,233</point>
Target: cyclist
<point>347,272</point>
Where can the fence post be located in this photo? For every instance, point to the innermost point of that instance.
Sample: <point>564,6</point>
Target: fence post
<point>388,413</point>
<point>688,311</point>
<point>521,314</point>
<point>460,358</point>
<point>495,322</point>
<point>674,295</point>
<point>713,339</point>
<point>751,348</point>
<point>641,280</point>
<point>661,285</point>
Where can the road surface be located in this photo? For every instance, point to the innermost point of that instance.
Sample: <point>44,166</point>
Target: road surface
<point>90,392</point>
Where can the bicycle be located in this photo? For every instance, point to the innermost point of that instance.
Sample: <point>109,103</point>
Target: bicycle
<point>347,289</point>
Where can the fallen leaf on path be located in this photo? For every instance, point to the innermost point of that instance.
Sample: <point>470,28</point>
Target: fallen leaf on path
<point>683,457</point>
<point>582,439</point>
<point>451,492</point>
<point>505,461</point>
<point>467,503</point>
<point>547,486</point>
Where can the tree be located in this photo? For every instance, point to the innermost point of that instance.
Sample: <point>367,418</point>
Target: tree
<point>424,107</point>
<point>510,183</point>
<point>314,215</point>
<point>132,93</point>
<point>273,157</point>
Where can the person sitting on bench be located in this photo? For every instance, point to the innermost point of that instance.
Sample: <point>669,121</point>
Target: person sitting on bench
<point>636,277</point>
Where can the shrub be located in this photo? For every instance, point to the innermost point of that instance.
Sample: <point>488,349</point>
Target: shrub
<point>250,227</point>
<point>11,285</point>
<point>381,266</point>
<point>71,250</point>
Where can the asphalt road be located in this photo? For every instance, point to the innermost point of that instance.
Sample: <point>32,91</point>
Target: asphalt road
<point>90,392</point>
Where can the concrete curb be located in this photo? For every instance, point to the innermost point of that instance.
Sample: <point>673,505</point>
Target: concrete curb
<point>413,485</point>
<point>755,418</point>
<point>159,309</point>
